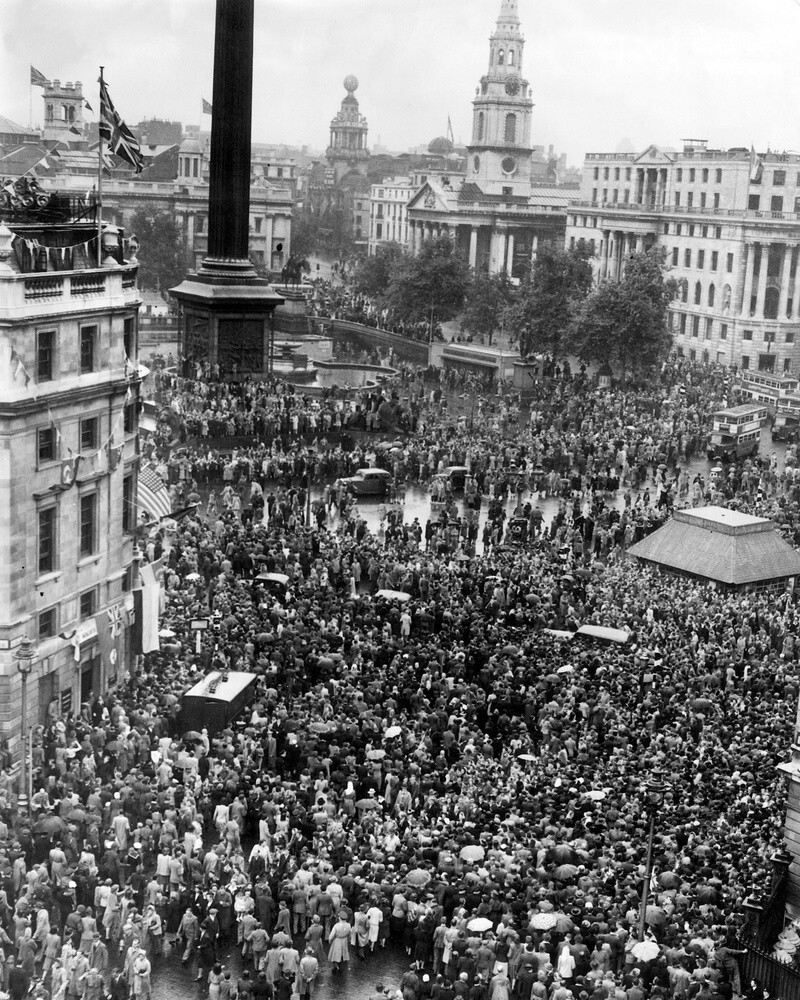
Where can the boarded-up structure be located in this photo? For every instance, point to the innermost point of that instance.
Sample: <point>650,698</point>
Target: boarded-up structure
<point>731,549</point>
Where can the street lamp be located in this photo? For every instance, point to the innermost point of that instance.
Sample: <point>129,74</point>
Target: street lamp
<point>654,791</point>
<point>23,657</point>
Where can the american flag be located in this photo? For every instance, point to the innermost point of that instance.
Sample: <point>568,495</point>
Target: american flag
<point>152,495</point>
<point>119,137</point>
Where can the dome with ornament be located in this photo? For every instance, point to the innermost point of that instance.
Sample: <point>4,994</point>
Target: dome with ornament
<point>350,83</point>
<point>440,146</point>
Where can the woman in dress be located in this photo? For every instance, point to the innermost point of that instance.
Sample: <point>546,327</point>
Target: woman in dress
<point>313,937</point>
<point>359,936</point>
<point>215,977</point>
<point>339,950</point>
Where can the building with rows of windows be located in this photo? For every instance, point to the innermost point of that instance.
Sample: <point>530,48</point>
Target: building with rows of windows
<point>69,387</point>
<point>730,223</point>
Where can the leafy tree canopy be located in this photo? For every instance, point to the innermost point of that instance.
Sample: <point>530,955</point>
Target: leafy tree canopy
<point>489,298</point>
<point>373,273</point>
<point>163,251</point>
<point>434,282</point>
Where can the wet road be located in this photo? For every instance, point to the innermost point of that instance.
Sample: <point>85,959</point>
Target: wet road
<point>172,982</point>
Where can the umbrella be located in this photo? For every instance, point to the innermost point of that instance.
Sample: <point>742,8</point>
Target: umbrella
<point>76,815</point>
<point>564,924</point>
<point>564,872</point>
<point>392,731</point>
<point>526,756</point>
<point>480,924</point>
<point>702,705</point>
<point>595,794</point>
<point>645,951</point>
<point>376,755</point>
<point>566,669</point>
<point>561,854</point>
<point>702,850</point>
<point>472,852</point>
<point>50,825</point>
<point>192,736</point>
<point>418,877</point>
<point>707,894</point>
<point>112,746</point>
<point>669,880</point>
<point>192,576</point>
<point>544,921</point>
<point>166,633</point>
<point>367,804</point>
<point>654,916</point>
<point>319,727</point>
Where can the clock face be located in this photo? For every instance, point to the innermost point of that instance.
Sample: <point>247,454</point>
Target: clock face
<point>476,164</point>
<point>512,86</point>
<point>508,164</point>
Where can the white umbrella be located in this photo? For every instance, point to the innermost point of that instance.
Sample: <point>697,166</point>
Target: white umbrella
<point>392,731</point>
<point>480,924</point>
<point>646,951</point>
<point>595,794</point>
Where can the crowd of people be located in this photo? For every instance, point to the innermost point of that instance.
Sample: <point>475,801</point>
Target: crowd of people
<point>450,774</point>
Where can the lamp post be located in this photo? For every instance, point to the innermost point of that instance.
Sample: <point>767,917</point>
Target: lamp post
<point>23,657</point>
<point>654,791</point>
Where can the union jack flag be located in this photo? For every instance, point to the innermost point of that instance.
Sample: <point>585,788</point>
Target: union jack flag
<point>119,137</point>
<point>114,621</point>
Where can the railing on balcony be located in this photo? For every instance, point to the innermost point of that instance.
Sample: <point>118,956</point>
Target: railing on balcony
<point>91,283</point>
<point>37,289</point>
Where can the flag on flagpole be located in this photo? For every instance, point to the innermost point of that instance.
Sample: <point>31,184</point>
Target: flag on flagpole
<point>88,106</point>
<point>116,133</point>
<point>152,495</point>
<point>207,110</point>
<point>756,166</point>
<point>109,628</point>
<point>75,130</point>
<point>450,129</point>
<point>37,79</point>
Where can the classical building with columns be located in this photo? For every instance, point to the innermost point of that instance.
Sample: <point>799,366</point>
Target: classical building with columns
<point>494,213</point>
<point>730,223</point>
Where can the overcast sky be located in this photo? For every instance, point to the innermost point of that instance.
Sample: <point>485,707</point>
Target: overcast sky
<point>601,70</point>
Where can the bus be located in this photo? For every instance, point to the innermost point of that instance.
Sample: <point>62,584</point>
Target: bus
<point>768,388</point>
<point>736,432</point>
<point>786,422</point>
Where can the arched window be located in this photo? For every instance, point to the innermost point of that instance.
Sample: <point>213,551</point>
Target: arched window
<point>510,133</point>
<point>71,114</point>
<point>501,57</point>
<point>195,168</point>
<point>49,112</point>
<point>63,111</point>
<point>510,57</point>
<point>684,290</point>
<point>698,293</point>
<point>479,127</point>
<point>711,294</point>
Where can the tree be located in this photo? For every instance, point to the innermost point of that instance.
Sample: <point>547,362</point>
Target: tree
<point>550,297</point>
<point>429,286</point>
<point>305,234</point>
<point>163,251</point>
<point>489,298</point>
<point>373,273</point>
<point>626,322</point>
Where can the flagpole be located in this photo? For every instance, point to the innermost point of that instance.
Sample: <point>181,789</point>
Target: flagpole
<point>100,177</point>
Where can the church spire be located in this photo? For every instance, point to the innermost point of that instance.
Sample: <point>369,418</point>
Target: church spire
<point>506,41</point>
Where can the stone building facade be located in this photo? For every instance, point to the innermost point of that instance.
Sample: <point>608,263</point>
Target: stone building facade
<point>729,221</point>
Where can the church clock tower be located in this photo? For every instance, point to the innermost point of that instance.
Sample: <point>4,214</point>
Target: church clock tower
<point>499,156</point>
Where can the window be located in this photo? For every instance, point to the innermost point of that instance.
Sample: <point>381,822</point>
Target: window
<point>695,326</point>
<point>501,57</point>
<point>693,355</point>
<point>615,195</point>
<point>605,195</point>
<point>684,290</point>
<point>597,173</point>
<point>128,504</point>
<point>701,259</point>
<point>45,355</point>
<point>683,324</point>
<point>594,196</point>
<point>698,293</point>
<point>709,327</point>
<point>678,228</point>
<point>88,349</point>
<point>787,364</point>
<point>689,199</point>
<point>675,253</point>
<point>719,175</point>
<point>745,362</point>
<point>627,173</point>
<point>705,357</point>
<point>479,127</point>
<point>677,199</point>
<point>776,203</point>
<point>790,337</point>
<point>378,230</point>
<point>769,336</point>
<point>47,624</point>
<point>666,229</point>
<point>258,222</point>
<point>714,259</point>
<point>711,295</point>
<point>627,196</point>
<point>691,229</point>
<point>200,224</point>
<point>616,173</point>
<point>46,445</point>
<point>88,524</point>
<point>129,337</point>
<point>195,168</point>
<point>678,175</point>
<point>705,175</point>
<point>747,335</point>
<point>718,232</point>
<point>729,263</point>
<point>47,540</point>
<point>606,173</point>
<point>129,418</point>
<point>687,258</point>
<point>691,175</point>
<point>702,199</point>
<point>723,331</point>
<point>88,604</point>
<point>89,434</point>
<point>778,178</point>
<point>510,129</point>
<point>716,199</point>
<point>279,172</point>
<point>753,202</point>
